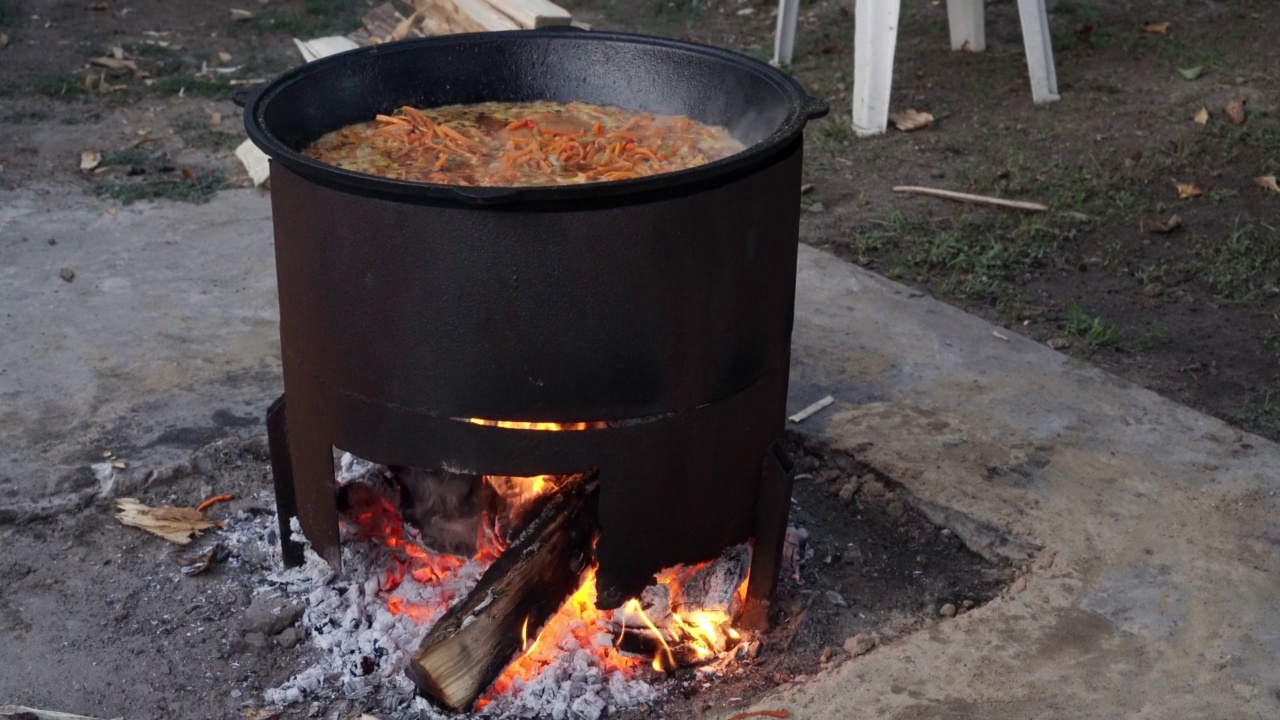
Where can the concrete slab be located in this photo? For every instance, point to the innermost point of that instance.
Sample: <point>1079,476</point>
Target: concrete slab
<point>165,339</point>
<point>1153,595</point>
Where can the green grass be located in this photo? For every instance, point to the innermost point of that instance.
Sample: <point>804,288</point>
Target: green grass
<point>7,13</point>
<point>132,156</point>
<point>57,85</point>
<point>155,185</point>
<point>213,87</point>
<point>318,17</point>
<point>1259,413</point>
<point>1243,266</point>
<point>196,132</point>
<point>1093,330</point>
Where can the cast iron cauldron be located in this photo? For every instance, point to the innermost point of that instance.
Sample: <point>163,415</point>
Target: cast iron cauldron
<point>662,305</point>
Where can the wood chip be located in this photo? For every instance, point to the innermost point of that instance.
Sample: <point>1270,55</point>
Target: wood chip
<point>1202,117</point>
<point>1156,28</point>
<point>114,63</point>
<point>1234,111</point>
<point>177,525</point>
<point>1188,190</point>
<point>89,159</point>
<point>99,6</point>
<point>911,119</point>
<point>238,15</point>
<point>255,162</point>
<point>1267,182</point>
<point>1163,228</point>
<point>813,409</point>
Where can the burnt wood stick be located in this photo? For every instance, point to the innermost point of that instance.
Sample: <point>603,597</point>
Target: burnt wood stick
<point>476,639</point>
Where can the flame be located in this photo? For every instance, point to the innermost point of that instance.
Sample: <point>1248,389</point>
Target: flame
<point>534,425</point>
<point>685,636</point>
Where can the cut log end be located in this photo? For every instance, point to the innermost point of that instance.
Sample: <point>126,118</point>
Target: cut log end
<point>473,642</point>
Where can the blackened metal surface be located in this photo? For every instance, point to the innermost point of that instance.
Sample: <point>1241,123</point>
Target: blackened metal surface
<point>282,476</point>
<point>773,505</point>
<point>540,316</point>
<point>763,107</point>
<point>667,302</point>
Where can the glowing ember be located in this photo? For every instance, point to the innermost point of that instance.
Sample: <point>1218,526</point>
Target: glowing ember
<point>668,630</point>
<point>528,425</point>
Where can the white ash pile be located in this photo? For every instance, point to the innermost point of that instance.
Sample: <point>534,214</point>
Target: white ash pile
<point>368,646</point>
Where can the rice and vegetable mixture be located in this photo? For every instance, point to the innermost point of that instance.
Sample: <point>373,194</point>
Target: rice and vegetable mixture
<point>522,144</point>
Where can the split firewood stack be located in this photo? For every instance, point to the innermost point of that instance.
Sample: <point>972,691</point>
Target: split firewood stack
<point>390,21</point>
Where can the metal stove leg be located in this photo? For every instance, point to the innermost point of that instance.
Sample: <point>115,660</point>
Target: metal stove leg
<point>282,473</point>
<point>772,508</point>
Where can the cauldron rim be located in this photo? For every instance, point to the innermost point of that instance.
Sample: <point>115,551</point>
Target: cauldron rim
<point>802,108</point>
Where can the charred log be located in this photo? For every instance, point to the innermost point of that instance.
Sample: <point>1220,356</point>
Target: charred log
<point>447,508</point>
<point>473,642</point>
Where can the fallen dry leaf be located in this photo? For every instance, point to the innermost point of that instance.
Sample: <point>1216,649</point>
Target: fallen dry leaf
<point>238,15</point>
<point>1156,28</point>
<point>261,714</point>
<point>1084,32</point>
<point>1267,182</point>
<point>1191,73</point>
<point>1235,111</point>
<point>1168,226</point>
<point>98,6</point>
<point>188,173</point>
<point>177,525</point>
<point>911,119</point>
<point>215,119</point>
<point>1202,117</point>
<point>89,159</point>
<point>114,63</point>
<point>1188,190</point>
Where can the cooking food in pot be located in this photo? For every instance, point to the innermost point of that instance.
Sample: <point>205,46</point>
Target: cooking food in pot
<point>521,144</point>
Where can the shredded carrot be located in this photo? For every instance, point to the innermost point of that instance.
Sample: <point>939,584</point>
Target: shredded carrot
<point>565,144</point>
<point>213,501</point>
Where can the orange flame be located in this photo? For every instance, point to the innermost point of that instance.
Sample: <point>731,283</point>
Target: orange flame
<point>534,425</point>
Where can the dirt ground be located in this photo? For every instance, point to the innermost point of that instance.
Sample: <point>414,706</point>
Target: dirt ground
<point>1193,314</point>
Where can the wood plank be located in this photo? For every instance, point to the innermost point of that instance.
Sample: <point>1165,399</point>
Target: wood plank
<point>533,13</point>
<point>467,15</point>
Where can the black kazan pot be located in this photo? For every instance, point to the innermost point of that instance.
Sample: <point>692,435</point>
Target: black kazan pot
<point>661,306</point>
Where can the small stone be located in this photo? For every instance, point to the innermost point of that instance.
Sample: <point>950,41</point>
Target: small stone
<point>256,640</point>
<point>873,489</point>
<point>1020,584</point>
<point>270,615</point>
<point>67,274</point>
<point>829,654</point>
<point>290,637</point>
<point>860,644</point>
<point>753,648</point>
<point>1153,290</point>
<point>1058,343</point>
<point>836,599</point>
<point>896,509</point>
<point>947,611</point>
<point>236,693</point>
<point>967,604</point>
<point>847,492</point>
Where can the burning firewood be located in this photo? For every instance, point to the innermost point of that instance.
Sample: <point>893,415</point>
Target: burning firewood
<point>472,643</point>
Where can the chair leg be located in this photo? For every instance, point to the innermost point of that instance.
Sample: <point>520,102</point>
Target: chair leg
<point>1035,36</point>
<point>784,43</point>
<point>968,25</point>
<point>875,36</point>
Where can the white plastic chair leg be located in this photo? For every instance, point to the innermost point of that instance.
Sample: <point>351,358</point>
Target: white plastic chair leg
<point>968,24</point>
<point>784,42</point>
<point>875,36</point>
<point>1035,36</point>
